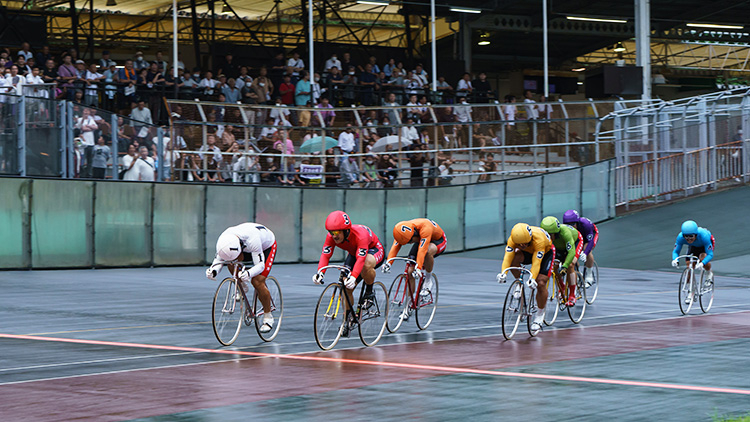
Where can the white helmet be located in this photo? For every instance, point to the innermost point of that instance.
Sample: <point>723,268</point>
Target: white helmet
<point>228,247</point>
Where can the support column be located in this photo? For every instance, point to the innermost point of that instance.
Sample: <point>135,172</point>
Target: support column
<point>74,25</point>
<point>643,43</point>
<point>196,34</point>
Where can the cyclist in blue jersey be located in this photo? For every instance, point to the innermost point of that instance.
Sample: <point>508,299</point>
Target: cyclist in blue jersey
<point>700,243</point>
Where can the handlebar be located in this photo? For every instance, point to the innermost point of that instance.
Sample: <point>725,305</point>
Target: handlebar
<point>523,270</point>
<point>692,258</point>
<point>409,260</point>
<point>341,268</point>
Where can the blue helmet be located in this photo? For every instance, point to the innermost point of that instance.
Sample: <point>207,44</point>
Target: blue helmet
<point>689,227</point>
<point>571,217</point>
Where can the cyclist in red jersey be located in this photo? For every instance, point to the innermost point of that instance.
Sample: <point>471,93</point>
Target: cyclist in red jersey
<point>366,253</point>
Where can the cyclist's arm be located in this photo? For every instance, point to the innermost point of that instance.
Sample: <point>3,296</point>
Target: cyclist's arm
<point>709,248</point>
<point>361,258</point>
<point>425,234</point>
<point>536,263</point>
<point>510,253</point>
<point>579,247</point>
<point>216,265</point>
<point>677,246</point>
<point>394,251</point>
<point>569,248</point>
<point>258,264</point>
<point>325,256</point>
<point>594,238</point>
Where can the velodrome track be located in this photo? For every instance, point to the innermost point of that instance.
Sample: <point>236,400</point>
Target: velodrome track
<point>122,344</point>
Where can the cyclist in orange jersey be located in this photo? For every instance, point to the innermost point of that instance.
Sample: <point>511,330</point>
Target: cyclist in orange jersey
<point>429,242</point>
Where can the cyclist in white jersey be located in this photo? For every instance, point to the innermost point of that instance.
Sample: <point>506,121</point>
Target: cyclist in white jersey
<point>248,242</point>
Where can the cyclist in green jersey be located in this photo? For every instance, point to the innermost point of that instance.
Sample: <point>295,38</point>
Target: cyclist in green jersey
<point>568,246</point>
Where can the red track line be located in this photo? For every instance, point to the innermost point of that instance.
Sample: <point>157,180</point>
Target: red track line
<point>449,369</point>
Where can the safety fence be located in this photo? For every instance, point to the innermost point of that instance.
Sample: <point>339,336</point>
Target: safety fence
<point>53,223</point>
<point>671,149</point>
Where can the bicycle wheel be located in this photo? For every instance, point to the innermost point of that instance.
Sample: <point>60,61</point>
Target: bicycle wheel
<point>427,304</point>
<point>513,307</point>
<point>531,309</point>
<point>576,312</point>
<point>398,301</point>
<point>685,293</point>
<point>706,295</point>
<point>552,308</point>
<point>228,311</point>
<point>592,289</point>
<point>373,312</point>
<point>330,314</point>
<point>277,309</point>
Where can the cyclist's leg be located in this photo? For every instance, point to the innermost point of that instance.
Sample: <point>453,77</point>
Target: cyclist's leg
<point>545,272</point>
<point>259,281</point>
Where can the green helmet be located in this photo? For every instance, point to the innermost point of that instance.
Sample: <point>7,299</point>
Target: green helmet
<point>551,225</point>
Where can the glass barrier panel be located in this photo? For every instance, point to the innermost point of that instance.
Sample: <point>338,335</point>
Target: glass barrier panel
<point>484,219</point>
<point>367,207</point>
<point>523,202</point>
<point>14,203</point>
<point>316,205</point>
<point>178,224</point>
<point>402,204</point>
<point>562,191</point>
<point>595,193</point>
<point>445,206</point>
<point>122,224</point>
<point>226,206</point>
<point>279,210</point>
<point>61,220</point>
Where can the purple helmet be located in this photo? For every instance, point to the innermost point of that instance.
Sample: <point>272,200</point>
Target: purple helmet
<point>571,217</point>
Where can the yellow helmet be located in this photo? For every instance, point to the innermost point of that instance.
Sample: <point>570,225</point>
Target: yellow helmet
<point>403,232</point>
<point>521,233</point>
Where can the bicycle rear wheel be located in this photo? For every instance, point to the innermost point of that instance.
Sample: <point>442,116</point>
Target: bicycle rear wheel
<point>277,309</point>
<point>513,307</point>
<point>330,314</point>
<point>427,304</point>
<point>706,293</point>
<point>592,290</point>
<point>399,300</point>
<point>228,311</point>
<point>552,308</point>
<point>373,313</point>
<point>576,312</point>
<point>685,292</point>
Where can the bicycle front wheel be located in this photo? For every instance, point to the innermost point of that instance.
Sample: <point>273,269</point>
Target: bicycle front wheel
<point>576,312</point>
<point>427,304</point>
<point>228,311</point>
<point>592,289</point>
<point>707,293</point>
<point>399,301</point>
<point>372,314</point>
<point>685,292</point>
<point>552,308</point>
<point>531,310</point>
<point>513,307</point>
<point>330,314</point>
<point>277,310</point>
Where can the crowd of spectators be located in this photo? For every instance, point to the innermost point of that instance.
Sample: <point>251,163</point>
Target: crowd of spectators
<point>136,88</point>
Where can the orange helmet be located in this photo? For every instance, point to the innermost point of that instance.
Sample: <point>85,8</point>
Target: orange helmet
<point>403,232</point>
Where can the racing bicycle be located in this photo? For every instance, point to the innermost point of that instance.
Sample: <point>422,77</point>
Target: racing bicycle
<point>403,302</point>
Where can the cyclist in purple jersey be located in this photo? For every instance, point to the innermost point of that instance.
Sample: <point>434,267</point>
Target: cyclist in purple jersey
<point>590,236</point>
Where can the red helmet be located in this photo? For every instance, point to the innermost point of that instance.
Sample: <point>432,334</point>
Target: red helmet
<point>338,220</point>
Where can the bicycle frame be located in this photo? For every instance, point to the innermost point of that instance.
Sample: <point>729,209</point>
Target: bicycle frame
<point>414,297</point>
<point>694,288</point>
<point>345,271</point>
<point>239,267</point>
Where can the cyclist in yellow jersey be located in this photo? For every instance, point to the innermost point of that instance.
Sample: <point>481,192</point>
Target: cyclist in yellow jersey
<point>531,245</point>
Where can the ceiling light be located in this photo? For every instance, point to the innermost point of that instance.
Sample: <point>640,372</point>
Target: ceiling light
<point>577,18</point>
<point>485,42</point>
<point>580,69</point>
<point>580,83</point>
<point>225,8</point>
<point>619,48</point>
<point>711,25</point>
<point>374,2</point>
<point>111,3</point>
<point>465,10</point>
